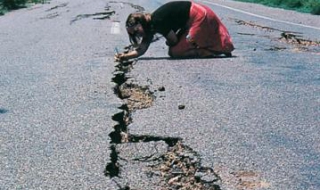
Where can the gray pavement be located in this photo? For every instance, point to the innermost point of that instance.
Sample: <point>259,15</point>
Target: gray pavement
<point>56,96</point>
<point>254,117</point>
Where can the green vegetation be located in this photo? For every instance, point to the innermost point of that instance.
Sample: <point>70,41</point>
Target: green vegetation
<point>8,5</point>
<point>307,6</point>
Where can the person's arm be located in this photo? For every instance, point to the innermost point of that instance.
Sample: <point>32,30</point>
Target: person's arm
<point>171,38</point>
<point>143,47</point>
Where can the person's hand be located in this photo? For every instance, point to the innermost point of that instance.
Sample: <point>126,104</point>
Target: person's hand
<point>170,44</point>
<point>191,41</point>
<point>119,57</point>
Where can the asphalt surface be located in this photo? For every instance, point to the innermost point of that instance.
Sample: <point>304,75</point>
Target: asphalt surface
<point>253,118</point>
<point>56,97</point>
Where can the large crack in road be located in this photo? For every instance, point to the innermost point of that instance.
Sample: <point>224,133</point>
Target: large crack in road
<point>148,161</point>
<point>167,164</point>
<point>176,167</point>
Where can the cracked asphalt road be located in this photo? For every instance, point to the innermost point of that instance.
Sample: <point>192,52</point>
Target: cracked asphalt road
<point>253,118</point>
<point>57,97</point>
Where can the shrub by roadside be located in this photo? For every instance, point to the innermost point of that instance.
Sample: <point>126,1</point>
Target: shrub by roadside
<point>308,6</point>
<point>13,4</point>
<point>315,7</point>
<point>7,5</point>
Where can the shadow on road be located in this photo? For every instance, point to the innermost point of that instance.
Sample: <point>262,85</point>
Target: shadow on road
<point>170,58</point>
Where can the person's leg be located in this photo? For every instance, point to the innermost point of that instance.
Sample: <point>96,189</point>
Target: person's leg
<point>197,53</point>
<point>209,35</point>
<point>186,50</point>
<point>207,31</point>
<point>217,35</point>
<point>207,53</point>
<point>183,49</point>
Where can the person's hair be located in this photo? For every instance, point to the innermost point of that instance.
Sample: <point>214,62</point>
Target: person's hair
<point>138,18</point>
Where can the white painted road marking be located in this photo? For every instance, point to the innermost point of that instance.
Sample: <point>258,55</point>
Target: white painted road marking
<point>115,28</point>
<point>260,16</point>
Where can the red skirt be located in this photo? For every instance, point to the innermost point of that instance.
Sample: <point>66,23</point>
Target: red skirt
<point>206,30</point>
